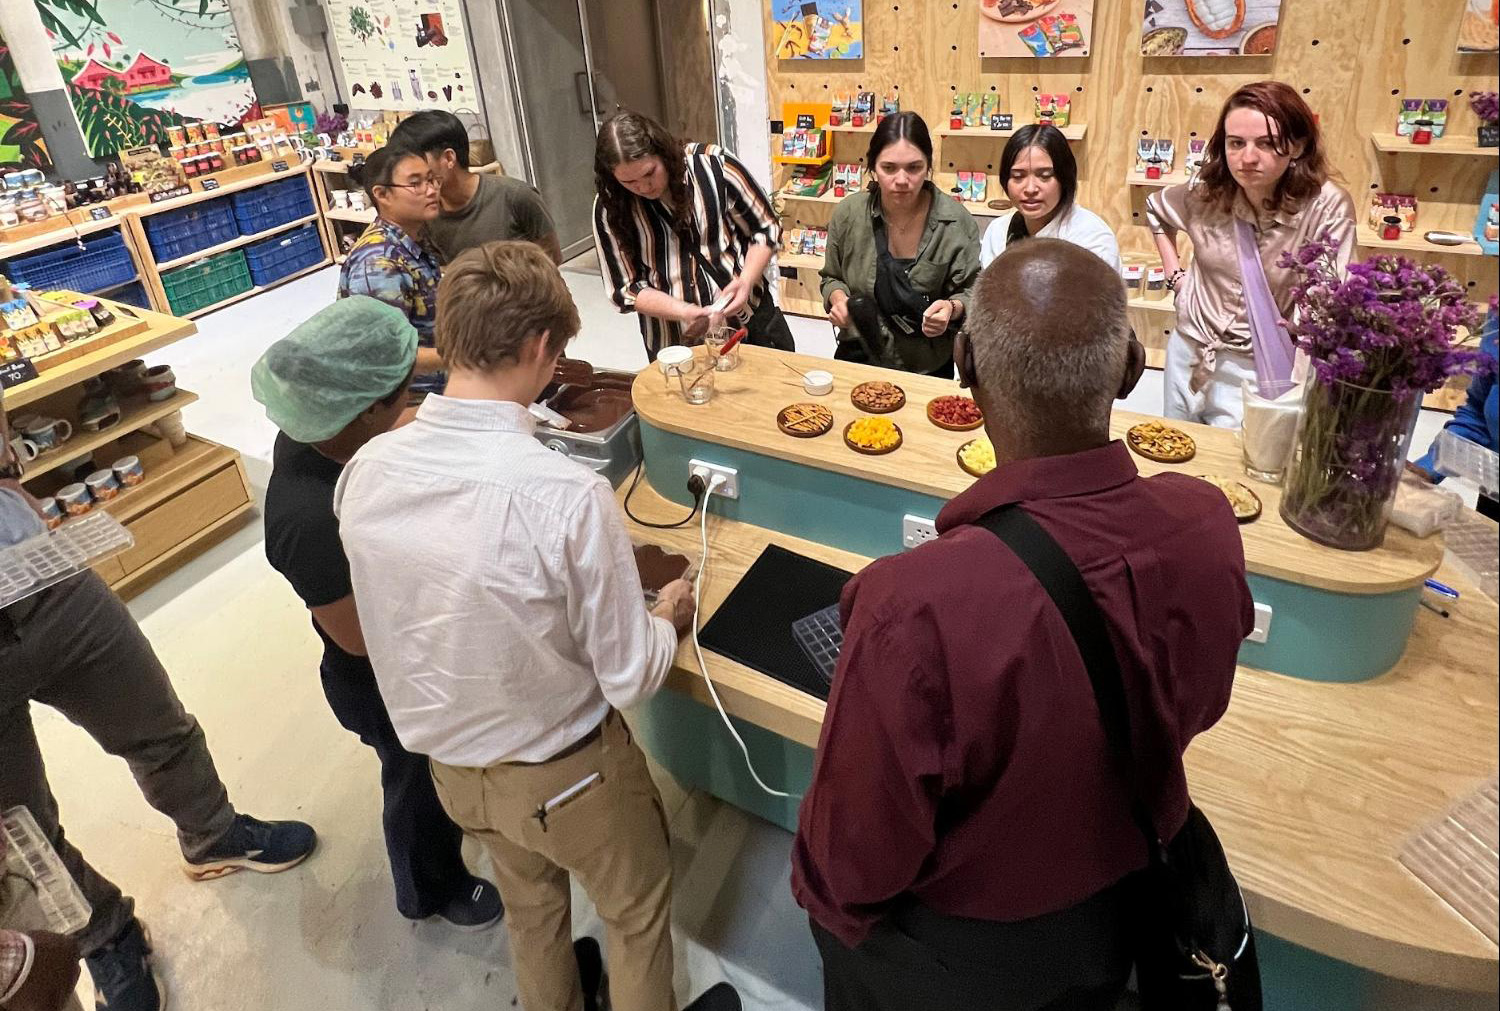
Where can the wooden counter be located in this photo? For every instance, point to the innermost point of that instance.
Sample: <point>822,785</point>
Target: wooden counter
<point>743,415</point>
<point>1312,786</point>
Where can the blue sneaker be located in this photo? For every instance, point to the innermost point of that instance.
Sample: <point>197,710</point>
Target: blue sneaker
<point>253,845</point>
<point>124,979</point>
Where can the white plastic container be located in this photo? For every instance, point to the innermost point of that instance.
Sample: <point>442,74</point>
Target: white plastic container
<point>817,382</point>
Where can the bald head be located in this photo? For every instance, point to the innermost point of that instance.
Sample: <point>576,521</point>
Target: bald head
<point>1050,341</point>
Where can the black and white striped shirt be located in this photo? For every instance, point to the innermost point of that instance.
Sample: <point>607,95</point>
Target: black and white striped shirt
<point>730,214</point>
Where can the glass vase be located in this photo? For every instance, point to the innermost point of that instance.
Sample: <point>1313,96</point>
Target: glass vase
<point>1351,449</point>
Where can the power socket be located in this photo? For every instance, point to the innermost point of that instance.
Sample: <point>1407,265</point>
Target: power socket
<point>729,483</point>
<point>916,530</point>
<point>1262,630</point>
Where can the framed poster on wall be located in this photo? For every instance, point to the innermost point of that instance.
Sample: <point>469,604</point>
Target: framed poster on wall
<point>1015,28</point>
<point>1479,27</point>
<point>1210,27</point>
<point>404,55</point>
<point>819,29</point>
<point>134,69</point>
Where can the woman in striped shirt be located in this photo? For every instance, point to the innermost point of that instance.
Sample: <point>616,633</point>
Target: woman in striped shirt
<point>683,230</point>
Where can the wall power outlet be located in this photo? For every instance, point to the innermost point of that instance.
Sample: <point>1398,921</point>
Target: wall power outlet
<point>916,530</point>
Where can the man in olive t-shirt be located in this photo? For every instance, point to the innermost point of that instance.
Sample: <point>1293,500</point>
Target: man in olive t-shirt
<point>476,208</point>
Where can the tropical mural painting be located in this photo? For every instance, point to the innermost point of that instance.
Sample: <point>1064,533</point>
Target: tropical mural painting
<point>135,67</point>
<point>21,142</point>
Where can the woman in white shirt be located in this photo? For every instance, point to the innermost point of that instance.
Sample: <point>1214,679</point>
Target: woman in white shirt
<point>1041,178</point>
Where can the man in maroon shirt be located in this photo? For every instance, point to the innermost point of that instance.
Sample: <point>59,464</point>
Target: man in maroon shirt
<point>967,842</point>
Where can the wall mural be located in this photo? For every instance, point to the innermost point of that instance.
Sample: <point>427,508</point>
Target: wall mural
<point>21,141</point>
<point>135,67</point>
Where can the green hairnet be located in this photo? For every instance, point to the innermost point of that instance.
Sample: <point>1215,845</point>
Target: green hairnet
<point>332,367</point>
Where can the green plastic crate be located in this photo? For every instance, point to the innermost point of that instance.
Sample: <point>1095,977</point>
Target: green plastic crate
<point>208,281</point>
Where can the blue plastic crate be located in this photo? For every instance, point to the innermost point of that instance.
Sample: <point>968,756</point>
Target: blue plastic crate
<point>273,204</point>
<point>92,264</point>
<point>132,294</point>
<point>178,233</point>
<point>282,255</point>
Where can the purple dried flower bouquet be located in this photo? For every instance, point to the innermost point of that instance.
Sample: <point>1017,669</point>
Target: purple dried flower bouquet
<point>1377,340</point>
<point>1486,105</point>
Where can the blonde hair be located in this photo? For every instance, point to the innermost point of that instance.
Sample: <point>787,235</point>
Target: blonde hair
<point>495,296</point>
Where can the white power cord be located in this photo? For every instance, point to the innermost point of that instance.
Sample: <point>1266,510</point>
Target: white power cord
<point>713,482</point>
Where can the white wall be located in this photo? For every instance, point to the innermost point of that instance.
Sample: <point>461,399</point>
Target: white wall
<point>29,46</point>
<point>740,39</point>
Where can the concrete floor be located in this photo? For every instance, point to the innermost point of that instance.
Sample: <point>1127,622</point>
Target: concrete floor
<point>244,659</point>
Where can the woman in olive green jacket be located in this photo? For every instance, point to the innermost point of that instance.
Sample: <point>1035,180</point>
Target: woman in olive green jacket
<point>901,258</point>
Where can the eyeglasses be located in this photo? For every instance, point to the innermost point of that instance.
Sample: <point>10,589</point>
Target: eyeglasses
<point>426,184</point>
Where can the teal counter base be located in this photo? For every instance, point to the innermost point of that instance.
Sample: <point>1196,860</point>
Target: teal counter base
<point>689,740</point>
<point>862,516</point>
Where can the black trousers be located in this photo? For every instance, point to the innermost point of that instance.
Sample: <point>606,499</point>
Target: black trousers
<point>423,844</point>
<point>919,960</point>
<point>768,327</point>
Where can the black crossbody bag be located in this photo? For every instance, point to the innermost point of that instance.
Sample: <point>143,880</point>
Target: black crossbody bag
<point>1194,946</point>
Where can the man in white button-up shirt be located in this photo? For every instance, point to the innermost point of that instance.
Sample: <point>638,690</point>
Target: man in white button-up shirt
<point>502,611</point>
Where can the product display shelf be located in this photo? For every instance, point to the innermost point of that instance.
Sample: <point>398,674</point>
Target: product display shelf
<point>193,494</point>
<point>786,159</point>
<point>135,413</point>
<point>809,307</point>
<point>257,290</point>
<point>822,198</point>
<point>359,217</point>
<point>1412,242</point>
<point>1391,143</point>
<point>1162,305</point>
<point>802,261</point>
<point>850,128</point>
<point>63,232</point>
<point>243,240</point>
<point>1170,179</point>
<point>1315,849</point>
<point>1073,131</point>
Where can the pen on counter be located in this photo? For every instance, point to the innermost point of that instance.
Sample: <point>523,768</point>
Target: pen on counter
<point>1443,588</point>
<point>1440,612</point>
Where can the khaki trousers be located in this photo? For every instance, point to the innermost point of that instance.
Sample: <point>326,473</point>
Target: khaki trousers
<point>612,837</point>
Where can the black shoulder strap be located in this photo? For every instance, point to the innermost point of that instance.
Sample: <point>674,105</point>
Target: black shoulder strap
<point>1046,559</point>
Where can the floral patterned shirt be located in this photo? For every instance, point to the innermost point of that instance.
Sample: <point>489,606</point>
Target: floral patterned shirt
<point>400,270</point>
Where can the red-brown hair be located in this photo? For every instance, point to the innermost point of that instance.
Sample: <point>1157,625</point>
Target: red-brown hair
<point>1292,123</point>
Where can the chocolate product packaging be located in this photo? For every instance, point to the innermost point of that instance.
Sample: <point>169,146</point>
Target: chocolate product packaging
<point>1166,153</point>
<point>1062,112</point>
<point>1035,40</point>
<point>1145,151</point>
<point>1046,108</point>
<point>1411,111</point>
<point>1436,109</point>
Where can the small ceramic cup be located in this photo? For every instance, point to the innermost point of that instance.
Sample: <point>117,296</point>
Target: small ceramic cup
<point>24,447</point>
<point>127,378</point>
<point>52,513</point>
<point>99,417</point>
<point>75,499</point>
<point>48,433</point>
<point>103,485</point>
<point>160,382</point>
<point>357,200</point>
<point>129,470</point>
<point>340,198</point>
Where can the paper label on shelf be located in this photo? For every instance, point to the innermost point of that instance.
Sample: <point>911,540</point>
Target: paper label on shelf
<point>175,191</point>
<point>1002,121</point>
<point>17,372</point>
<point>805,121</point>
<point>210,184</point>
<point>278,166</point>
<point>99,213</point>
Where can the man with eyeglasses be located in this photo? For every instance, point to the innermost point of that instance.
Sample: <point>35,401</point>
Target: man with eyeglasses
<point>394,261</point>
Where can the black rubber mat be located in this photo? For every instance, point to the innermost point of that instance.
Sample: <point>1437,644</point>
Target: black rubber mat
<point>754,624</point>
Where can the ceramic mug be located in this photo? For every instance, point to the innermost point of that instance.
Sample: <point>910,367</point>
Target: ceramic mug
<point>127,378</point>
<point>160,382</point>
<point>48,433</point>
<point>340,198</point>
<point>100,417</point>
<point>103,485</point>
<point>24,447</point>
<point>129,470</point>
<point>75,499</point>
<point>357,200</point>
<point>52,513</point>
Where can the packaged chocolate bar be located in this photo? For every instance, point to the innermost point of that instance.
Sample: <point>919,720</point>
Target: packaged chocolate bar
<point>1411,111</point>
<point>1035,40</point>
<point>1436,109</point>
<point>1133,275</point>
<point>821,245</point>
<point>891,104</point>
<point>1062,31</point>
<point>1145,152</point>
<point>989,108</point>
<point>973,109</point>
<point>1197,151</point>
<point>1166,153</point>
<point>979,186</point>
<point>1046,108</point>
<point>1062,112</point>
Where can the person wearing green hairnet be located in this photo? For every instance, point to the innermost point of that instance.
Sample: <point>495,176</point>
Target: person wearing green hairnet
<point>331,385</point>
